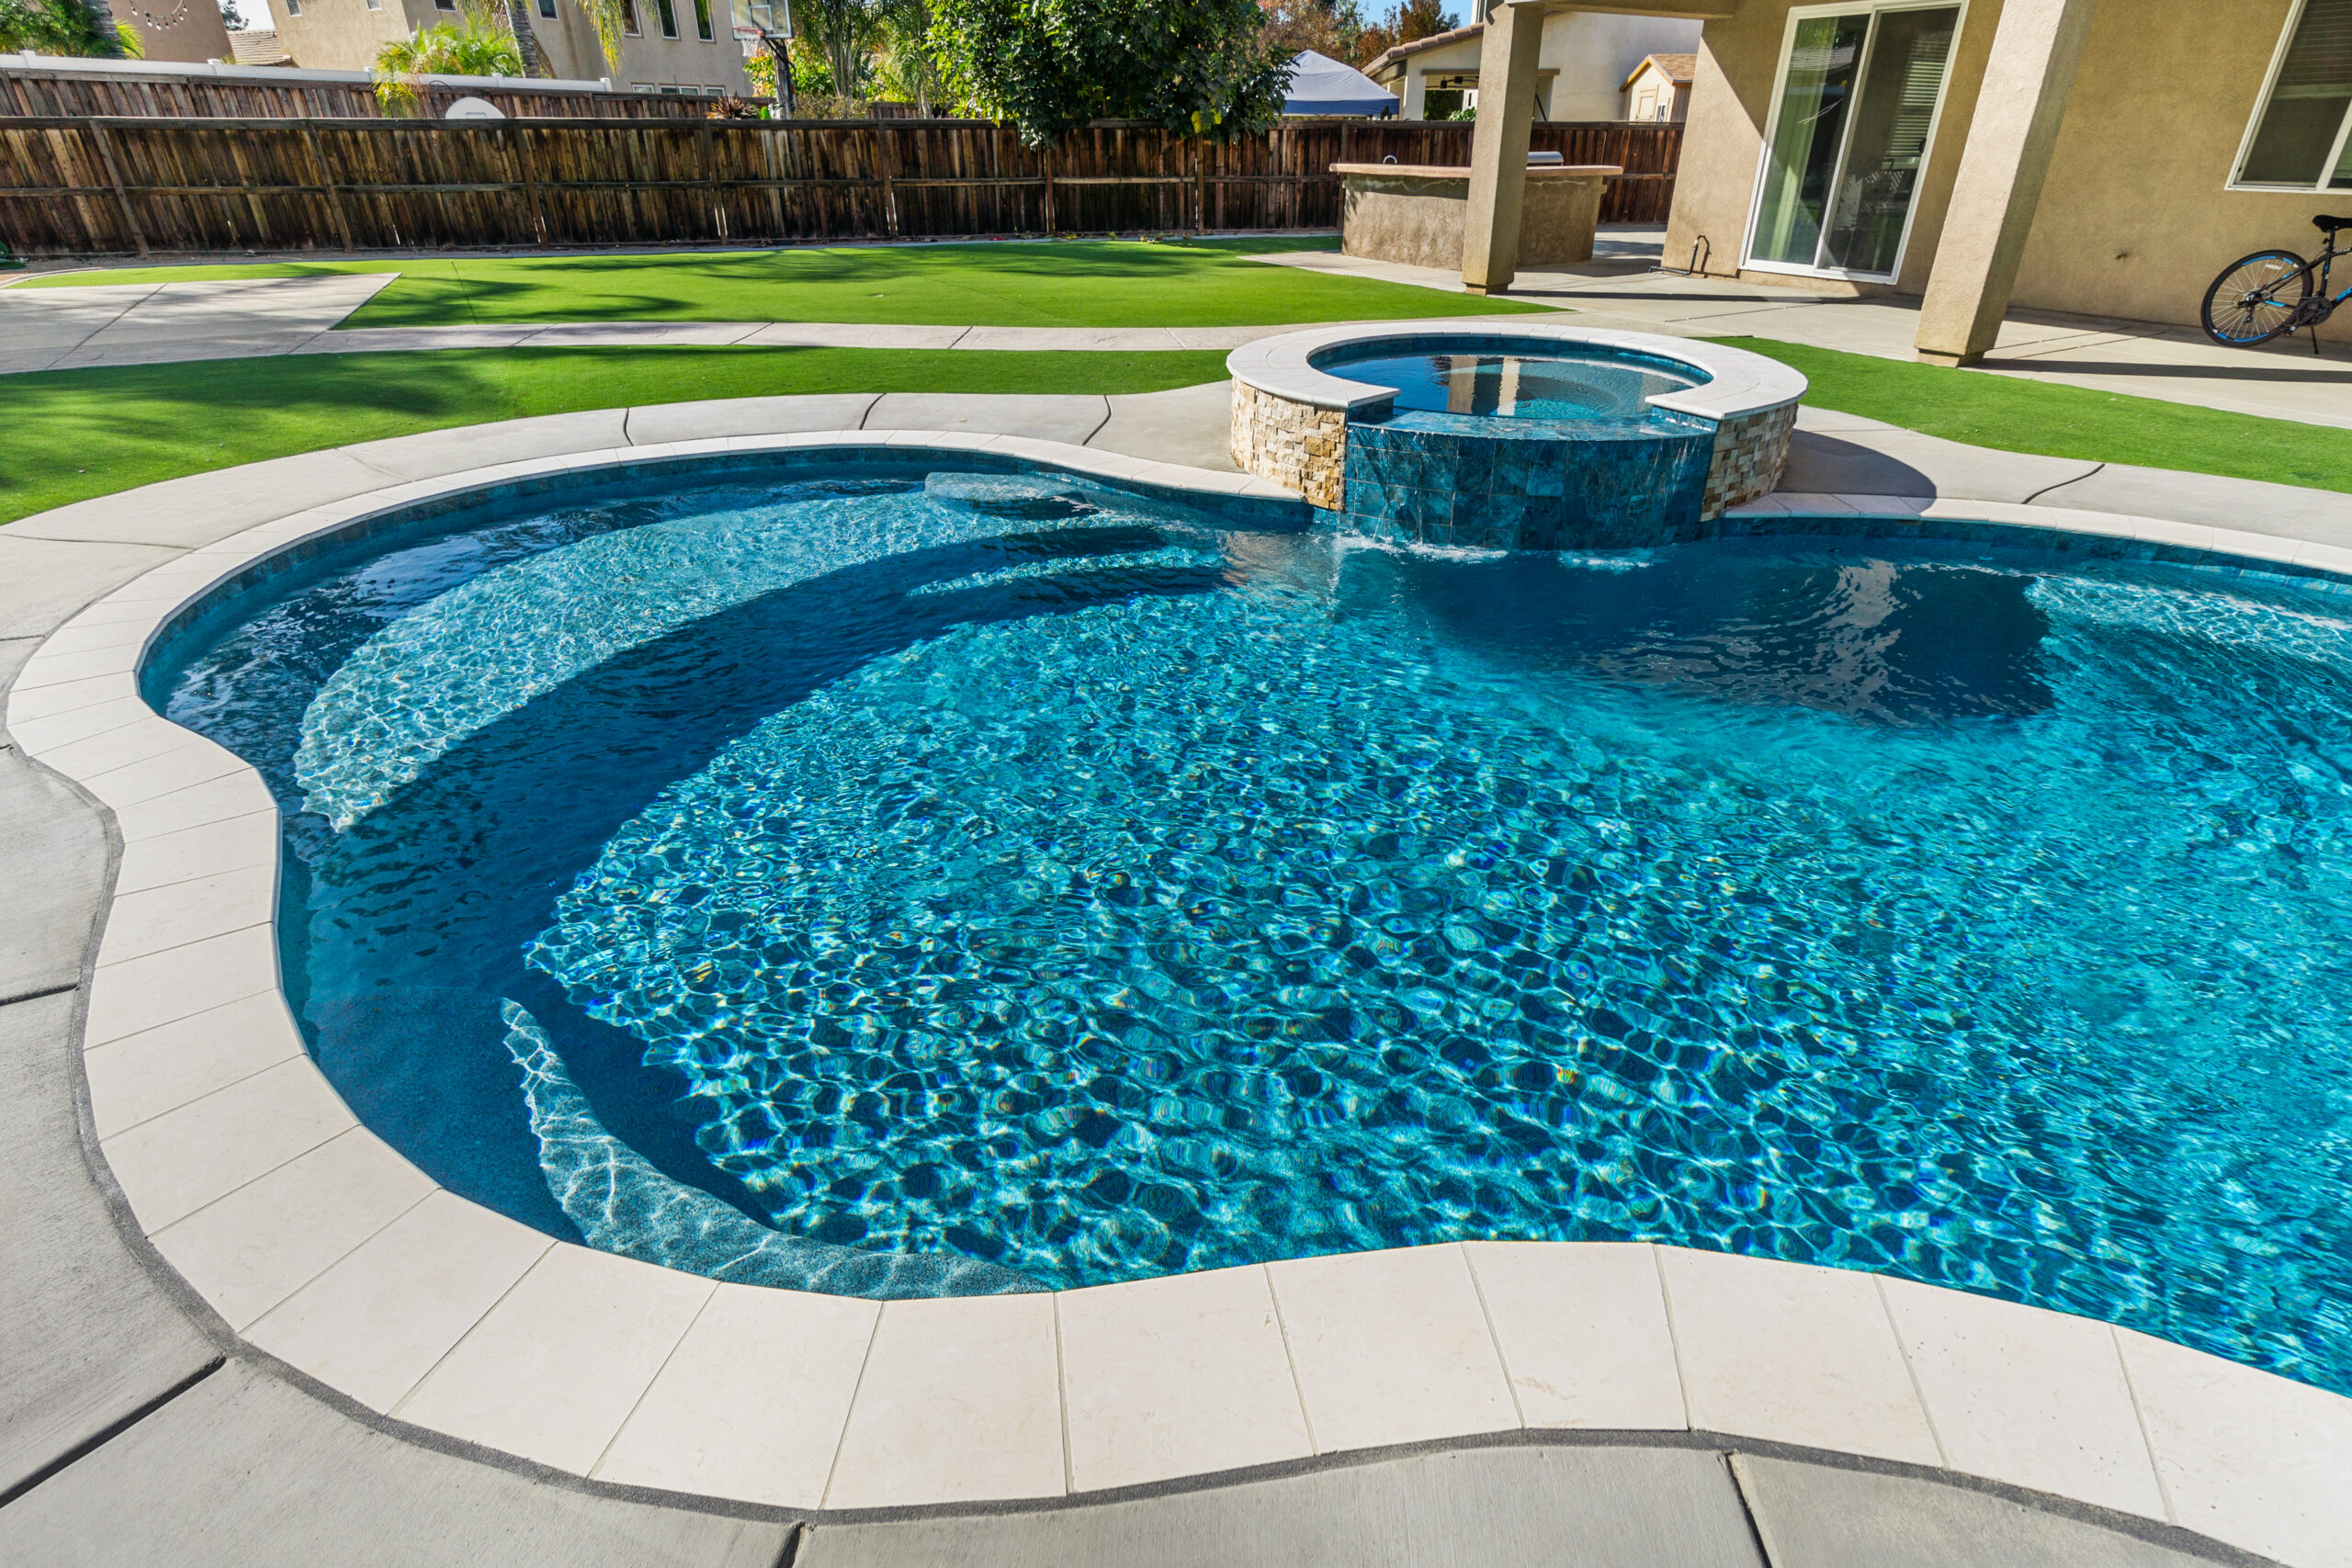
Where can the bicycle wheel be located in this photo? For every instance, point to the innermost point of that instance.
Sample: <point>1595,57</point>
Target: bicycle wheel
<point>2255,298</point>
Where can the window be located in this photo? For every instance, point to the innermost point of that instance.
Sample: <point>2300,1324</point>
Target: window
<point>375,5</point>
<point>702,20</point>
<point>2297,137</point>
<point>668,11</point>
<point>445,4</point>
<point>546,9</point>
<point>628,19</point>
<point>1855,115</point>
<point>293,7</point>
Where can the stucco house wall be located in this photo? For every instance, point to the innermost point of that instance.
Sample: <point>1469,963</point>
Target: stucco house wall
<point>182,30</point>
<point>1584,59</point>
<point>1651,90</point>
<point>1594,53</point>
<point>344,35</point>
<point>1723,150</point>
<point>2135,218</point>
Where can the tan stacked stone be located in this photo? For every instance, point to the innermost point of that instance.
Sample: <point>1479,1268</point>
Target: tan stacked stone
<point>1750,452</point>
<point>1296,446</point>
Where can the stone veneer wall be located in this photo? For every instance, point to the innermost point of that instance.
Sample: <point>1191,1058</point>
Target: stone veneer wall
<point>1750,452</point>
<point>1294,445</point>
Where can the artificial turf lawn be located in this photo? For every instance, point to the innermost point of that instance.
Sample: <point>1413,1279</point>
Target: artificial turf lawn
<point>75,434</point>
<point>2057,420</point>
<point>1062,283</point>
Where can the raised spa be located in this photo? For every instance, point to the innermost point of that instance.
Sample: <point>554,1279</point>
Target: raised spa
<point>884,877</point>
<point>1511,380</point>
<point>1536,435</point>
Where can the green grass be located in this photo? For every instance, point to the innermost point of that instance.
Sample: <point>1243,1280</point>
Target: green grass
<point>1067,283</point>
<point>77,433</point>
<point>2057,420</point>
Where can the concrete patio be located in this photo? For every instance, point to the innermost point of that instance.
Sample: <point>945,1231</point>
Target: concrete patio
<point>1623,286</point>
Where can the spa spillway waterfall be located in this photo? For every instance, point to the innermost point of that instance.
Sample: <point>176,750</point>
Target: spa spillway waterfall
<point>1533,436</point>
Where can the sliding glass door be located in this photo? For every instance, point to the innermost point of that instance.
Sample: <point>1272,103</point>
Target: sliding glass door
<point>1850,128</point>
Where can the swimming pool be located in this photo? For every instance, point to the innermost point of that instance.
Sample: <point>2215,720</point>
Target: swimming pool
<point>1521,382</point>
<point>901,884</point>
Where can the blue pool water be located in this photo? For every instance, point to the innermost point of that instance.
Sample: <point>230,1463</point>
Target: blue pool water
<point>1591,385</point>
<point>899,885</point>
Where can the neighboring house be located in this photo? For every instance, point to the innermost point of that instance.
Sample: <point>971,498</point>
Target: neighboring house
<point>668,46</point>
<point>258,45</point>
<point>2108,159</point>
<point>1583,61</point>
<point>1659,87</point>
<point>191,31</point>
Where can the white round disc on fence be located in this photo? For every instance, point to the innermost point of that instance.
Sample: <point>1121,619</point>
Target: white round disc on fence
<point>473,108</point>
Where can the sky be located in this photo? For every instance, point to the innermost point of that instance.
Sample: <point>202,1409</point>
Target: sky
<point>254,12</point>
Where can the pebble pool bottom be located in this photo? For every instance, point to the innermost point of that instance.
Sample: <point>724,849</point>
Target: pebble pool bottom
<point>905,888</point>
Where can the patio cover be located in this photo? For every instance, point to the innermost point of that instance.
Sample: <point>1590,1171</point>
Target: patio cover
<point>1320,84</point>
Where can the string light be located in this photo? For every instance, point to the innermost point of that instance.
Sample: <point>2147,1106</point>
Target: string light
<point>152,23</point>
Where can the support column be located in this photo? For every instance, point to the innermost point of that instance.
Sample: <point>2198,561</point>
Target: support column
<point>2035,51</point>
<point>1498,146</point>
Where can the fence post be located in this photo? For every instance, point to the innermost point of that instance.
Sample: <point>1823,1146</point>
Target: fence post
<point>326,179</point>
<point>775,164</point>
<point>130,218</point>
<point>530,180</point>
<point>888,149</point>
<point>710,177</point>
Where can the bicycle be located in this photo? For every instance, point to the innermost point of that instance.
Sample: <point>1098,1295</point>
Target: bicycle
<point>2249,303</point>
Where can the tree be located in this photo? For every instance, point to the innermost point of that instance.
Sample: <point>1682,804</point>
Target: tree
<point>1407,22</point>
<point>844,34</point>
<point>64,27</point>
<point>476,45</point>
<point>605,16</point>
<point>908,71</point>
<point>1329,28</point>
<point>1204,67</point>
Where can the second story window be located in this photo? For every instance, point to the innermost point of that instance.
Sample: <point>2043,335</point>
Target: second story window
<point>668,13</point>
<point>628,19</point>
<point>2298,136</point>
<point>702,20</point>
<point>546,9</point>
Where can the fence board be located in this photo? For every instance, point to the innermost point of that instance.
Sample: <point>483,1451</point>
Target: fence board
<point>49,94</point>
<point>82,185</point>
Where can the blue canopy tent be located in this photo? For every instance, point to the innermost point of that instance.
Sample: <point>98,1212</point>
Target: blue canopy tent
<point>1320,84</point>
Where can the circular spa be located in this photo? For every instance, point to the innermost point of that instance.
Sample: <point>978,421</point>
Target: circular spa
<point>1533,436</point>
<point>898,876</point>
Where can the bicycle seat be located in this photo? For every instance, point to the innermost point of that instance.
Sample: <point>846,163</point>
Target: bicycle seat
<point>2328,226</point>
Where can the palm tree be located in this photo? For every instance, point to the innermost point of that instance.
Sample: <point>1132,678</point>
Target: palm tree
<point>64,27</point>
<point>475,46</point>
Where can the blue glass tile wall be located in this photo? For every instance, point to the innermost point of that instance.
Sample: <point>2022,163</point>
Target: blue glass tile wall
<point>1439,479</point>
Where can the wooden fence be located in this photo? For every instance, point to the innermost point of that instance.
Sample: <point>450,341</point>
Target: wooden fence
<point>84,186</point>
<point>57,95</point>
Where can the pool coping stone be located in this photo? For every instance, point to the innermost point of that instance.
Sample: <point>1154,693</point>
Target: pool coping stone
<point>1739,383</point>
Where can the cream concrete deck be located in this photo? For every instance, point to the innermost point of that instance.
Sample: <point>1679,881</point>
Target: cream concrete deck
<point>2136,359</point>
